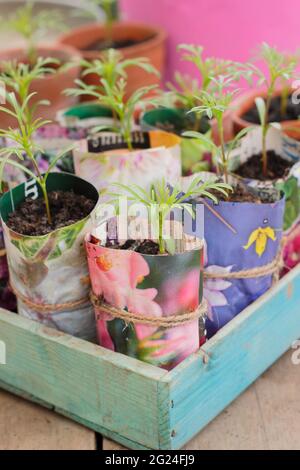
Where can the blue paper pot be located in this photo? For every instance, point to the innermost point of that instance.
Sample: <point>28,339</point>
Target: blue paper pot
<point>259,229</point>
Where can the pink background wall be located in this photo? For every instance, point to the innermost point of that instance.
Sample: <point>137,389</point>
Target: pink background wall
<point>226,28</point>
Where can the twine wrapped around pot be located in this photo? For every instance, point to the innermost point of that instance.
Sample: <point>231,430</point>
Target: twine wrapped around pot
<point>49,273</point>
<point>171,321</point>
<point>272,268</point>
<point>149,306</point>
<point>46,309</point>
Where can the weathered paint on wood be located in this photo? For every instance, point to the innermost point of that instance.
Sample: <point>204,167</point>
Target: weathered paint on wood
<point>82,379</point>
<point>138,405</point>
<point>264,417</point>
<point>238,354</point>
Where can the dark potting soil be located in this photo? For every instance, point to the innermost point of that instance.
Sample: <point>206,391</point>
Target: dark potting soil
<point>146,247</point>
<point>189,123</point>
<point>66,208</point>
<point>292,112</point>
<point>102,45</point>
<point>278,167</point>
<point>239,194</point>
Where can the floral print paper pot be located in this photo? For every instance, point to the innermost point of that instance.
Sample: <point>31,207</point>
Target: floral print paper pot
<point>287,148</point>
<point>292,249</point>
<point>7,298</point>
<point>74,123</point>
<point>147,285</point>
<point>51,269</point>
<point>104,160</point>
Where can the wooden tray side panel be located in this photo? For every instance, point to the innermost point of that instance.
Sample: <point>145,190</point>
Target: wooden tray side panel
<point>237,356</point>
<point>97,387</point>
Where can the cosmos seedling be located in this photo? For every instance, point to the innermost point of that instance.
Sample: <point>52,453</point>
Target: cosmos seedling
<point>280,70</point>
<point>164,199</point>
<point>22,144</point>
<point>19,77</point>
<point>111,66</point>
<point>187,91</point>
<point>111,90</point>
<point>214,106</point>
<point>32,26</point>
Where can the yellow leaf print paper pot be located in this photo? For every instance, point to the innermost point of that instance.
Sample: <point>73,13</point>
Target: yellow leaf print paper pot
<point>250,239</point>
<point>259,229</point>
<point>260,238</point>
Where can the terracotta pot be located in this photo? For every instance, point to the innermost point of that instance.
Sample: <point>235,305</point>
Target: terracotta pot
<point>50,87</point>
<point>152,46</point>
<point>247,101</point>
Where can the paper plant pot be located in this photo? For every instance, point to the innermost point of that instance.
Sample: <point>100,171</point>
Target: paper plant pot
<point>147,285</point>
<point>230,252</point>
<point>7,298</point>
<point>284,146</point>
<point>195,157</point>
<point>51,269</point>
<point>291,249</point>
<point>254,240</point>
<point>150,43</point>
<point>104,160</point>
<point>71,124</point>
<point>85,116</point>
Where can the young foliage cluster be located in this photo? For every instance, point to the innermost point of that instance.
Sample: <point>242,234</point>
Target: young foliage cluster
<point>214,105</point>
<point>32,25</point>
<point>162,199</point>
<point>22,145</point>
<point>279,69</point>
<point>110,92</point>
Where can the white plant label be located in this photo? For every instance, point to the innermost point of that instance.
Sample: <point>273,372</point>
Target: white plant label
<point>31,190</point>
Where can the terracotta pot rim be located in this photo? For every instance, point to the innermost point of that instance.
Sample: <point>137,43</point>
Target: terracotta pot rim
<point>70,52</point>
<point>246,101</point>
<point>158,33</point>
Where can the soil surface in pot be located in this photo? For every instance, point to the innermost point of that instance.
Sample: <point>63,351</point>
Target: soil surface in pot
<point>102,45</point>
<point>187,124</point>
<point>278,167</point>
<point>239,194</point>
<point>146,247</point>
<point>292,112</point>
<point>66,208</point>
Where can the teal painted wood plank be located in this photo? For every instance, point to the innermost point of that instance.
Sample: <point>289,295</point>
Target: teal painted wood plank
<point>238,354</point>
<point>99,429</point>
<point>110,390</point>
<point>138,405</point>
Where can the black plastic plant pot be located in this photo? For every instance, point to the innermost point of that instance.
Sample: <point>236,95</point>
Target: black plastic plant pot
<point>151,286</point>
<point>49,273</point>
<point>195,157</point>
